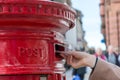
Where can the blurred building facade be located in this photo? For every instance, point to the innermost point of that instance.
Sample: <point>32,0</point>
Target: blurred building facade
<point>110,17</point>
<point>76,35</point>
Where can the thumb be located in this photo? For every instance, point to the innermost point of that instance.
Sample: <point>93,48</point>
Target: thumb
<point>64,56</point>
<point>76,54</point>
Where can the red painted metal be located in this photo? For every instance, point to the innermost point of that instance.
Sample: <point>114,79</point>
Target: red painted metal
<point>31,31</point>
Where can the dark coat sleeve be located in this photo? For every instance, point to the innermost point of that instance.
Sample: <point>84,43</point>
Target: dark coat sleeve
<point>105,71</point>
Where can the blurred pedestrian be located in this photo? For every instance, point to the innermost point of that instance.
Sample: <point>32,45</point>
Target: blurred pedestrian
<point>119,60</point>
<point>80,72</point>
<point>76,77</point>
<point>117,54</point>
<point>99,53</point>
<point>111,57</point>
<point>91,50</point>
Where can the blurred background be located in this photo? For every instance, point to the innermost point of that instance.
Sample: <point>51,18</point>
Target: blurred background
<point>96,31</point>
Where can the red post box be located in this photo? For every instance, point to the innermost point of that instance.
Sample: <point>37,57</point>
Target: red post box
<point>31,31</point>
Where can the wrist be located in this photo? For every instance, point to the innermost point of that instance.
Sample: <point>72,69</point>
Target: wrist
<point>92,61</point>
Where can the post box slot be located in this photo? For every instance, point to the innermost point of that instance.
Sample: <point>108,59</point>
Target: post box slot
<point>58,48</point>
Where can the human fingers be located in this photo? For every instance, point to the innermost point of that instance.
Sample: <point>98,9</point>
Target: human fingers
<point>76,54</point>
<point>68,59</point>
<point>75,64</point>
<point>64,56</point>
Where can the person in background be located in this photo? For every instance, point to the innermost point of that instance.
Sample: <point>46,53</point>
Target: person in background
<point>117,54</point>
<point>100,54</point>
<point>101,70</point>
<point>119,60</point>
<point>80,71</point>
<point>111,57</point>
<point>91,50</point>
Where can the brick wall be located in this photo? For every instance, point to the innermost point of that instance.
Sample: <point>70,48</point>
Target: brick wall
<point>112,22</point>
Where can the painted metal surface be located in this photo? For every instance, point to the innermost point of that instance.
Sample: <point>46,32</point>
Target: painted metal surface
<point>31,31</point>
